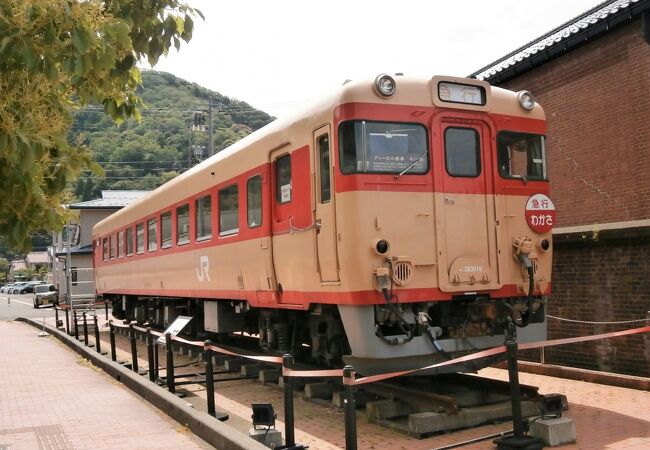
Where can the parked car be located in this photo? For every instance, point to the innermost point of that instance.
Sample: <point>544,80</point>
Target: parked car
<point>45,294</point>
<point>28,287</point>
<point>16,287</point>
<point>5,289</point>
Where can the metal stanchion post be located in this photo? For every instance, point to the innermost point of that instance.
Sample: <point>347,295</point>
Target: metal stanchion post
<point>289,437</point>
<point>517,440</point>
<point>83,315</point>
<point>171,384</point>
<point>97,344</point>
<point>209,378</point>
<point>112,334</point>
<point>350,410</point>
<point>156,360</point>
<point>106,308</point>
<point>56,316</point>
<point>134,349</point>
<point>67,322</point>
<point>152,372</point>
<point>76,324</point>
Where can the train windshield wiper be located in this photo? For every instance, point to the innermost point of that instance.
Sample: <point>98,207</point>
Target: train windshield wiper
<point>419,158</point>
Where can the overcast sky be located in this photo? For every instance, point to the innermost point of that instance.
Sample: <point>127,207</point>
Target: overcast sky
<point>278,55</point>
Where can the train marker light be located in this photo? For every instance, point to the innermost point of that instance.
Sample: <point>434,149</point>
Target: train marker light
<point>526,100</point>
<point>381,246</point>
<point>385,85</point>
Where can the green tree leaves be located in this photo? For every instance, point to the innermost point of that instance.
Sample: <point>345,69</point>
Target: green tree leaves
<point>54,56</point>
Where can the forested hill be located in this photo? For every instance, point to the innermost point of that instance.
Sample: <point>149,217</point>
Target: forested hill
<point>167,140</point>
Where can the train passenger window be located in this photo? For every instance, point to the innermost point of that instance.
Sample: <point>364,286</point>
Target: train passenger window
<point>166,229</point>
<point>112,246</point>
<point>203,215</point>
<point>139,238</point>
<point>324,155</point>
<point>183,224</point>
<point>74,278</point>
<point>229,210</point>
<point>129,241</point>
<point>462,152</point>
<point>382,147</point>
<point>254,201</point>
<point>151,234</point>
<point>521,155</point>
<point>120,244</point>
<point>283,179</point>
<point>105,249</point>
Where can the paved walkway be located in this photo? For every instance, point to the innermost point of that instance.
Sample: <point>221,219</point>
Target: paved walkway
<point>50,398</point>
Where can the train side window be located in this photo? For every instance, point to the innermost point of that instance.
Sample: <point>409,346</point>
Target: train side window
<point>324,154</point>
<point>254,201</point>
<point>462,152</point>
<point>112,246</point>
<point>129,241</point>
<point>151,235</point>
<point>105,249</point>
<point>229,210</point>
<point>120,244</point>
<point>183,224</point>
<point>166,229</point>
<point>139,238</point>
<point>283,179</point>
<point>73,276</point>
<point>203,213</point>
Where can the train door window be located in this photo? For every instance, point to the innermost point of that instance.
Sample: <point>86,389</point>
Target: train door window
<point>166,229</point>
<point>183,224</point>
<point>254,201</point>
<point>105,249</point>
<point>203,213</point>
<point>324,155</point>
<point>229,210</point>
<point>151,235</point>
<point>120,244</point>
<point>112,246</point>
<point>129,241</point>
<point>462,152</point>
<point>283,179</point>
<point>521,155</point>
<point>139,238</point>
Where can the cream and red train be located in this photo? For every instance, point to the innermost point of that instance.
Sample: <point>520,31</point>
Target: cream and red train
<point>393,224</point>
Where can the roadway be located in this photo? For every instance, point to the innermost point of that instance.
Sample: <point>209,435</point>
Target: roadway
<point>22,305</point>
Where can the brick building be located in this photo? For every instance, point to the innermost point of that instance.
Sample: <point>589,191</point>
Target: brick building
<point>592,76</point>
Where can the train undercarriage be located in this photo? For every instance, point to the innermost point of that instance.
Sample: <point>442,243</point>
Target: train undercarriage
<point>373,339</point>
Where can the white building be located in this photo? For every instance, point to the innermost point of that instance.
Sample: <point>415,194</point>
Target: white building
<point>80,254</point>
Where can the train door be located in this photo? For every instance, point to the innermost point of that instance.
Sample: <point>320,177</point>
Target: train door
<point>466,231</point>
<point>291,219</point>
<point>325,208</point>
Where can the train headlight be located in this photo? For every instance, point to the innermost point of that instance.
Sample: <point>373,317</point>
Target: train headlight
<point>526,100</point>
<point>385,85</point>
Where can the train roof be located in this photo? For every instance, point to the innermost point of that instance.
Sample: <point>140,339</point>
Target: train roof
<point>245,154</point>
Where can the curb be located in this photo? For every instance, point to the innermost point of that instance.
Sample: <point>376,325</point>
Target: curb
<point>206,427</point>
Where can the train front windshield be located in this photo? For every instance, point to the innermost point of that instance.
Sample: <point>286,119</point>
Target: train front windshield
<point>521,155</point>
<point>382,147</point>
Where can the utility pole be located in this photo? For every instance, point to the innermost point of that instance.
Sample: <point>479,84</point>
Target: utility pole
<point>211,138</point>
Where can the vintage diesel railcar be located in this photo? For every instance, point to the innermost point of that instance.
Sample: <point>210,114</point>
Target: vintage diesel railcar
<point>393,224</point>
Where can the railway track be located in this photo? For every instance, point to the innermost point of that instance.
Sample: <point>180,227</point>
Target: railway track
<point>419,406</point>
